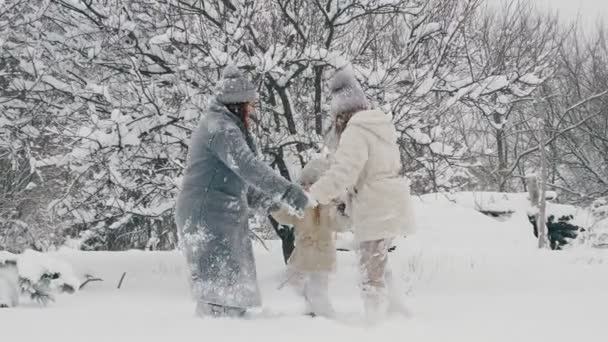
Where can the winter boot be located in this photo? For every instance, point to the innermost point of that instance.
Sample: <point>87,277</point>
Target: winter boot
<point>204,309</point>
<point>375,302</point>
<point>396,303</point>
<point>317,296</point>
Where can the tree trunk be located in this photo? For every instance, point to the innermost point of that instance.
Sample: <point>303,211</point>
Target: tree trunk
<point>273,102</point>
<point>543,241</point>
<point>286,233</point>
<point>318,99</point>
<point>537,202</point>
<point>533,191</point>
<point>502,156</point>
<point>502,164</point>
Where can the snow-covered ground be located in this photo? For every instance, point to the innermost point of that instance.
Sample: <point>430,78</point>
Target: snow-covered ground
<point>465,276</point>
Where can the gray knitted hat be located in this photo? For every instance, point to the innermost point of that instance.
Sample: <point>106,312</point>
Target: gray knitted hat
<point>346,93</point>
<point>235,87</point>
<point>313,170</point>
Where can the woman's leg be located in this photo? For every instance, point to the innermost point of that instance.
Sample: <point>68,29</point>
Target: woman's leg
<point>373,257</point>
<point>395,297</point>
<point>218,278</point>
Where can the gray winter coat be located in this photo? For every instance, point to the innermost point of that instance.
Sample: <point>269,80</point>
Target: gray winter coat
<point>212,209</point>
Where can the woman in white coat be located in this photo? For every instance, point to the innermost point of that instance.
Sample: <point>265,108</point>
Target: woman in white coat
<point>367,164</point>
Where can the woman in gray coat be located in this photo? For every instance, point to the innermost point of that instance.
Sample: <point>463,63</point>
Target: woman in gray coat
<point>212,209</point>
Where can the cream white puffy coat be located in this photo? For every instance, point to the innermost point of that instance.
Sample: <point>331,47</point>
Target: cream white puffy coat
<point>367,163</point>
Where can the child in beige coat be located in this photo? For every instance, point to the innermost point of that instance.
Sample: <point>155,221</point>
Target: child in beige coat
<point>314,257</point>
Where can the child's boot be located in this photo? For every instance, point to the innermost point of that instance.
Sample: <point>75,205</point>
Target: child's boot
<point>317,296</point>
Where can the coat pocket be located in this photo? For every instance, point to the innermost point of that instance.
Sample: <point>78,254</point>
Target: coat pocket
<point>381,201</point>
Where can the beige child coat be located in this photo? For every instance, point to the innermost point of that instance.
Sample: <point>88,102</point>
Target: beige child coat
<point>315,244</point>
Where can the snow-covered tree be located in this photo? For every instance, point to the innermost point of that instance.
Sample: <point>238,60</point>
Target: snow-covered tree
<point>98,100</point>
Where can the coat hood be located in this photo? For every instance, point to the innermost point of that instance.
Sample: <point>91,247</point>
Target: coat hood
<point>375,122</point>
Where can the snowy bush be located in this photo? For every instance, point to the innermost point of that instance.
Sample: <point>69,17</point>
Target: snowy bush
<point>35,275</point>
<point>566,224</point>
<point>598,235</point>
<point>599,208</point>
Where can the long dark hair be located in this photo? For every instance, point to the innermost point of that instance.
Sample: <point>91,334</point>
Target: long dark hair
<point>341,121</point>
<point>241,111</point>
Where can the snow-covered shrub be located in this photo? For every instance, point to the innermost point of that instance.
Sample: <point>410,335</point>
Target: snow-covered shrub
<point>41,277</point>
<point>36,275</point>
<point>598,234</point>
<point>599,208</point>
<point>565,223</point>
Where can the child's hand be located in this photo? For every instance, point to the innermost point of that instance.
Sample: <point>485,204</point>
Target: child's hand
<point>312,202</point>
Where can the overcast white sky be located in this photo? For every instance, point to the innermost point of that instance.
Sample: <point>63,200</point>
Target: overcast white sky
<point>590,10</point>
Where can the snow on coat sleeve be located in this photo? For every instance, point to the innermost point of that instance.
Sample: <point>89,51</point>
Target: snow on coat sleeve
<point>232,149</point>
<point>258,200</point>
<point>349,160</point>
